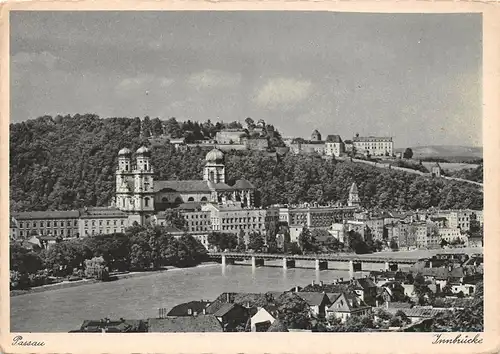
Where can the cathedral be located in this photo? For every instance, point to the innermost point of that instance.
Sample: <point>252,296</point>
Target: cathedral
<point>140,196</point>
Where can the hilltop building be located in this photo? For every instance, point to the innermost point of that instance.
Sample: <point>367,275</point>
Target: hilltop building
<point>374,146</point>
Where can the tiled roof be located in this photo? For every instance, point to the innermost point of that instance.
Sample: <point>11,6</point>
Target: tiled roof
<point>194,306</point>
<point>224,309</point>
<point>312,298</point>
<point>182,186</point>
<point>366,283</point>
<point>189,206</point>
<point>200,323</point>
<point>333,139</point>
<point>116,326</point>
<point>371,138</point>
<point>414,312</point>
<point>399,305</point>
<point>30,215</point>
<point>102,212</point>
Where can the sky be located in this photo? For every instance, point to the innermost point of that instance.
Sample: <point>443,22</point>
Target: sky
<point>416,77</point>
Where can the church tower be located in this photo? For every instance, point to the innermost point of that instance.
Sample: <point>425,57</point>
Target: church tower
<point>353,200</point>
<point>143,196</point>
<point>214,170</point>
<point>124,181</point>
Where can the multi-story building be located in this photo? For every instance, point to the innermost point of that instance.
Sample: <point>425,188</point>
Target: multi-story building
<point>198,221</point>
<point>405,239</point>
<point>450,234</point>
<point>374,146</point>
<point>316,216</point>
<point>376,228</point>
<point>232,218</point>
<point>334,146</point>
<point>460,218</point>
<point>47,223</point>
<point>230,136</point>
<point>102,220</point>
<point>420,232</point>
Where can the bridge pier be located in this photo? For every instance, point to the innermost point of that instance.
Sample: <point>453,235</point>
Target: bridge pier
<point>257,262</point>
<point>321,265</point>
<point>226,260</point>
<point>288,263</point>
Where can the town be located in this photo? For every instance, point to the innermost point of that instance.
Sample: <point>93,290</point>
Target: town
<point>216,221</point>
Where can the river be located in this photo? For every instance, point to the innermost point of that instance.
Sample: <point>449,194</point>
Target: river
<point>63,310</point>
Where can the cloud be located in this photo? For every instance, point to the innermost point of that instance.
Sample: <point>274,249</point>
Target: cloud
<point>44,59</point>
<point>213,79</point>
<point>143,83</point>
<point>283,92</point>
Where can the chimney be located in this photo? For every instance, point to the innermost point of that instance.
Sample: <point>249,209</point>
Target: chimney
<point>296,289</point>
<point>376,303</point>
<point>313,283</point>
<point>228,297</point>
<point>321,283</point>
<point>204,311</point>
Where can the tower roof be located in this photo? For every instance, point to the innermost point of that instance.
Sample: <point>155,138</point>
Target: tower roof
<point>124,152</point>
<point>214,155</point>
<point>142,151</point>
<point>354,188</point>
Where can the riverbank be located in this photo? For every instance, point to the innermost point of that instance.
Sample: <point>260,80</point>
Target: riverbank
<point>71,284</point>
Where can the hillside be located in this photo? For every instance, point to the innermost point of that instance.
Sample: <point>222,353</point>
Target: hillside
<point>446,151</point>
<point>69,162</point>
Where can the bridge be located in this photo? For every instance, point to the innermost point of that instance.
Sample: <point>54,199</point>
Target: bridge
<point>321,260</point>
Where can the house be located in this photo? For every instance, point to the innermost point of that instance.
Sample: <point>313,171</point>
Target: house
<point>263,319</point>
<point>396,289</point>
<point>317,302</point>
<point>414,314</point>
<point>200,323</point>
<point>191,308</point>
<point>230,315</point>
<point>112,326</point>
<point>365,288</point>
<point>346,305</point>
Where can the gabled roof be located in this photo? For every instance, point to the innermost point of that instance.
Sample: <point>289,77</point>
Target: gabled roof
<point>312,298</point>
<point>102,212</point>
<point>366,283</point>
<point>183,309</point>
<point>200,323</point>
<point>224,309</point>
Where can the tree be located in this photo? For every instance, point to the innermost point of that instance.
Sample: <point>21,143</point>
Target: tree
<point>140,257</point>
<point>256,241</point>
<point>306,241</point>
<point>241,241</point>
<point>63,257</point>
<point>293,311</point>
<point>222,241</point>
<point>356,243</point>
<point>408,153</point>
<point>23,260</point>
<point>394,245</point>
<point>175,219</point>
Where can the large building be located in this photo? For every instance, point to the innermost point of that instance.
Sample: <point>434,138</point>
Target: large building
<point>62,224</point>
<point>374,146</point>
<point>140,196</point>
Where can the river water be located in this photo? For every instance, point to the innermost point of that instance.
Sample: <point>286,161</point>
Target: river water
<point>63,310</point>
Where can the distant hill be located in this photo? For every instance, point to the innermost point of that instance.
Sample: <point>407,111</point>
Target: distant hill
<point>446,151</point>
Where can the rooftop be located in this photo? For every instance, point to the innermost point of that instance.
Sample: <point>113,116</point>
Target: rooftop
<point>200,323</point>
<point>35,215</point>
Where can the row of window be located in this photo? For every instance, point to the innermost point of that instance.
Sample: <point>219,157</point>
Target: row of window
<point>47,223</point>
<point>240,220</point>
<point>108,222</point>
<point>43,232</point>
<point>196,216</point>
<point>242,227</point>
<point>103,231</point>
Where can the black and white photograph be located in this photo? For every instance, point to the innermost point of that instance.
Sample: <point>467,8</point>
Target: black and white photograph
<point>246,171</point>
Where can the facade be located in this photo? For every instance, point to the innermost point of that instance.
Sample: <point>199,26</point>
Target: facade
<point>231,218</point>
<point>102,220</point>
<point>315,216</point>
<point>47,223</point>
<point>374,146</point>
<point>230,136</point>
<point>334,146</point>
<point>376,228</point>
<point>451,234</point>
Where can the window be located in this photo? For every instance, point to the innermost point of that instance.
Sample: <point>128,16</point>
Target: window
<point>41,223</point>
<point>68,223</point>
<point>146,202</point>
<point>100,222</point>
<point>190,199</point>
<point>34,223</point>
<point>62,223</point>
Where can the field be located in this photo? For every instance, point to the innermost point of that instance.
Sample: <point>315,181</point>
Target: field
<point>451,166</point>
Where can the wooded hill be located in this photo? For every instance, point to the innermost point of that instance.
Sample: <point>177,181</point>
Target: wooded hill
<point>69,162</point>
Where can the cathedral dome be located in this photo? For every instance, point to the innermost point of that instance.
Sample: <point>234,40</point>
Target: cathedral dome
<point>214,155</point>
<point>124,152</point>
<point>142,151</point>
